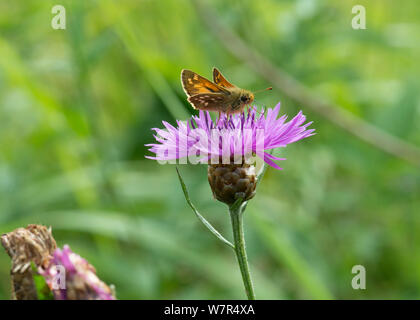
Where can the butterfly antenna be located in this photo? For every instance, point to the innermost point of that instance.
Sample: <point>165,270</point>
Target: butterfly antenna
<point>266,89</point>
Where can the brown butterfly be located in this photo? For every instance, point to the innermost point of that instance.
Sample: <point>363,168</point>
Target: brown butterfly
<point>220,95</point>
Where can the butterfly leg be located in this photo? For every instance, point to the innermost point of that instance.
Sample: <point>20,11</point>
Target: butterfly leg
<point>257,110</point>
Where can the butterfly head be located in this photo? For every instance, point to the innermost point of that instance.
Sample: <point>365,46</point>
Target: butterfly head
<point>246,97</point>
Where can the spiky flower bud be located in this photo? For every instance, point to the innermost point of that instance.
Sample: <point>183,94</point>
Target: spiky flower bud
<point>25,245</point>
<point>232,181</point>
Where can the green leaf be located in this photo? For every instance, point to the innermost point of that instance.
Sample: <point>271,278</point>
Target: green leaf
<point>199,216</point>
<point>42,290</point>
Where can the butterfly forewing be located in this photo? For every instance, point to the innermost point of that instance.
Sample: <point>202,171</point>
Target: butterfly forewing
<point>220,80</point>
<point>194,84</point>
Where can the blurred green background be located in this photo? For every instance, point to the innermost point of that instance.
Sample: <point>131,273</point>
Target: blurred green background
<point>77,105</point>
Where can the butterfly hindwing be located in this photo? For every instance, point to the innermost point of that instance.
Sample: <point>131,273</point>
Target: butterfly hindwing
<point>208,101</point>
<point>220,80</point>
<point>194,84</point>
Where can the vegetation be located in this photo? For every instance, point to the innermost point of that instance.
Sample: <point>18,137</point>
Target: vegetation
<point>77,105</point>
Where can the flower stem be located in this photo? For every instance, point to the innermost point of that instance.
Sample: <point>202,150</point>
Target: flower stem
<point>236,215</point>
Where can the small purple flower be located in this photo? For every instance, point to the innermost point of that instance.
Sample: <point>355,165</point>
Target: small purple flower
<point>70,277</point>
<point>242,135</point>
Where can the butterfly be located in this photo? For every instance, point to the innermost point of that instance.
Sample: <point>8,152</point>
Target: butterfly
<point>219,95</point>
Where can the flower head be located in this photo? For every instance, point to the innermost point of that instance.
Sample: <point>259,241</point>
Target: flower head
<point>70,277</point>
<point>239,137</point>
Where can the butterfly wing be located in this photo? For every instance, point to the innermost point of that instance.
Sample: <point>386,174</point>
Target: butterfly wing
<point>220,80</point>
<point>194,84</point>
<point>209,101</point>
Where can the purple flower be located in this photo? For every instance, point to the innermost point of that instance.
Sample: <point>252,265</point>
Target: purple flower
<point>203,140</point>
<point>70,277</point>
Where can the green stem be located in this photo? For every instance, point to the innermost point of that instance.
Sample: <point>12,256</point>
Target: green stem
<point>236,215</point>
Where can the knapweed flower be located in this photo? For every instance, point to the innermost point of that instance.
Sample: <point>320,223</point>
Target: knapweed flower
<point>70,277</point>
<point>230,146</point>
<point>33,244</point>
